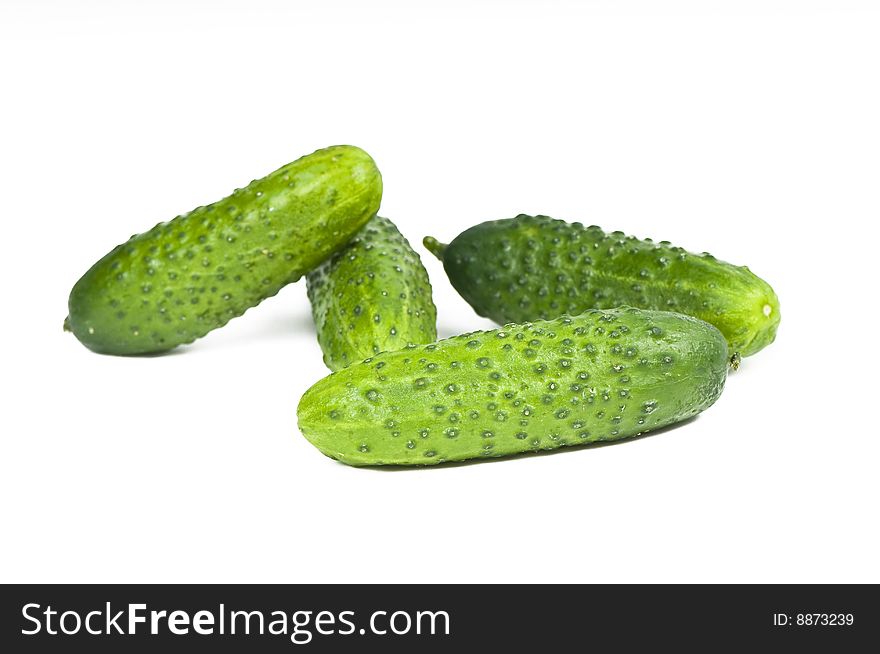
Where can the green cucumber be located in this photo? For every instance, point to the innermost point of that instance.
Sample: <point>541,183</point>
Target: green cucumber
<point>371,296</point>
<point>599,376</point>
<point>183,278</point>
<point>532,267</point>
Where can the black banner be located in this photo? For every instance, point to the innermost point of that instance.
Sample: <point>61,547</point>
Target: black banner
<point>278,618</point>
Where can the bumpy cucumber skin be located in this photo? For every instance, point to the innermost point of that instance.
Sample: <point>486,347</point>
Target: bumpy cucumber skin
<point>532,267</point>
<point>373,295</point>
<point>183,278</point>
<point>599,376</point>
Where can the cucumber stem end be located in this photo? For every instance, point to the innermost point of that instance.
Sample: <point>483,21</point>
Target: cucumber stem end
<point>434,246</point>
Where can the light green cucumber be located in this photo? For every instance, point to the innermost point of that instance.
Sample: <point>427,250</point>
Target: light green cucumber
<point>183,278</point>
<point>599,376</point>
<point>532,267</point>
<point>371,296</point>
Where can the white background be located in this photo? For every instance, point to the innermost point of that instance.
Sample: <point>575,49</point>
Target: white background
<point>748,129</point>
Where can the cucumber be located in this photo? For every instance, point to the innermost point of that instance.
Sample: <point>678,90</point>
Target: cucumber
<point>532,267</point>
<point>371,296</point>
<point>599,376</point>
<point>183,278</point>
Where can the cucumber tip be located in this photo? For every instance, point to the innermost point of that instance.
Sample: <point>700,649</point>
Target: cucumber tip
<point>434,246</point>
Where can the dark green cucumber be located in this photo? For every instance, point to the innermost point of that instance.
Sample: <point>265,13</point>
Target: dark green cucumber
<point>371,296</point>
<point>532,267</point>
<point>599,376</point>
<point>183,278</point>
